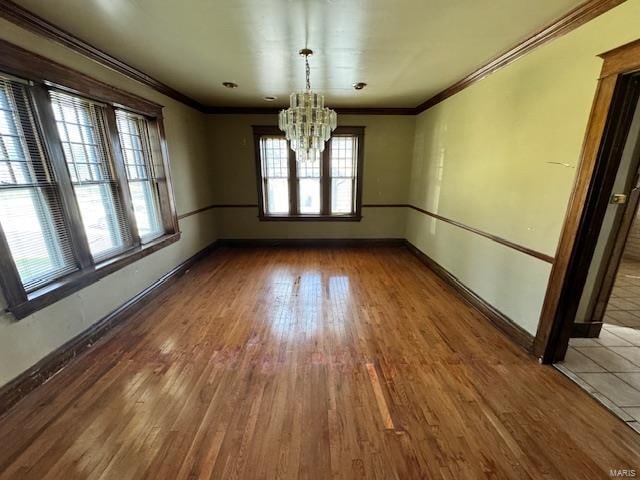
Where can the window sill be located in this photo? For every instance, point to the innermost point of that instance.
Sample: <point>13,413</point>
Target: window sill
<point>65,286</point>
<point>310,218</point>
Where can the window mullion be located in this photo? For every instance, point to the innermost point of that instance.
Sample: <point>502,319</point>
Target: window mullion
<point>293,183</point>
<point>325,180</point>
<point>121,174</point>
<point>10,282</point>
<point>357,201</point>
<point>159,156</point>
<point>53,146</point>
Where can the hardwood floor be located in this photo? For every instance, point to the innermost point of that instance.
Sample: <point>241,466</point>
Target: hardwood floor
<point>294,363</point>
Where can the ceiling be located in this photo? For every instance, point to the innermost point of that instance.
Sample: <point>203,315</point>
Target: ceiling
<point>406,50</point>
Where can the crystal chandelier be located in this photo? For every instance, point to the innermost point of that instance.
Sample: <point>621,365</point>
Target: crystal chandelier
<point>307,122</point>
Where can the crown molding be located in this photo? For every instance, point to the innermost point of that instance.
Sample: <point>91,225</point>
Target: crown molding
<point>342,111</point>
<point>568,22</point>
<point>572,20</point>
<point>32,22</point>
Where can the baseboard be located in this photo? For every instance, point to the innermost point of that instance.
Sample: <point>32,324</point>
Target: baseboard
<point>42,371</point>
<point>586,329</point>
<point>497,318</point>
<point>37,375</point>
<point>311,242</point>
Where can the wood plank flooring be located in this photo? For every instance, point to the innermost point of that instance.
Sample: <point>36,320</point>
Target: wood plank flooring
<point>295,363</point>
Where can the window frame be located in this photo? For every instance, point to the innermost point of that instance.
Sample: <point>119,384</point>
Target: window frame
<point>325,214</point>
<point>43,75</point>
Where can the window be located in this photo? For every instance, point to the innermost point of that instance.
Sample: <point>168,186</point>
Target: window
<point>84,188</point>
<point>139,169</point>
<point>274,152</point>
<point>82,134</point>
<point>329,189</point>
<point>30,212</point>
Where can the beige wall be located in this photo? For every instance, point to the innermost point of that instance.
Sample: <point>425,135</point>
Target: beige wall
<point>24,342</point>
<point>387,162</point>
<point>482,157</point>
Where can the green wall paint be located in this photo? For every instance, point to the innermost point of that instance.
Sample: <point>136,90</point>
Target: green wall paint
<point>482,158</point>
<point>387,163</point>
<point>25,342</point>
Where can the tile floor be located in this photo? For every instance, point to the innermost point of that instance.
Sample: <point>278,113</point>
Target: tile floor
<point>609,369</point>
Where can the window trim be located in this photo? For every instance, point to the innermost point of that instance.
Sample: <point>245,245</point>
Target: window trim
<point>325,185</point>
<point>42,75</point>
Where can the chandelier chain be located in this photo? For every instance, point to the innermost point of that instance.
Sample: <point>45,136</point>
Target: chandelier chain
<point>308,72</point>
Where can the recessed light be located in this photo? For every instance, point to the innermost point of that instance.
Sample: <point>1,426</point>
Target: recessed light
<point>230,84</point>
<point>359,85</point>
<point>270,98</point>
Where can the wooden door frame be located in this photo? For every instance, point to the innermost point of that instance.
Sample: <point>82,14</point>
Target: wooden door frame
<point>581,226</point>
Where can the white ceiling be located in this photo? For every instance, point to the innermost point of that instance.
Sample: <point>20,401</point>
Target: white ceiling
<point>406,50</point>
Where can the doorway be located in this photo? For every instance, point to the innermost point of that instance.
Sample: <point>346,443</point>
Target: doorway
<point>599,341</point>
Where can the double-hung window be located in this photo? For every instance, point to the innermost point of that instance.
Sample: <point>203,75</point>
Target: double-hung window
<point>328,189</point>
<point>35,232</point>
<point>141,173</point>
<point>84,185</point>
<point>82,132</point>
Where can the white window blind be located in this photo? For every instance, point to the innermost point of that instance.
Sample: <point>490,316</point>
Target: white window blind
<point>30,209</point>
<point>84,141</point>
<point>342,169</point>
<point>275,174</point>
<point>141,177</point>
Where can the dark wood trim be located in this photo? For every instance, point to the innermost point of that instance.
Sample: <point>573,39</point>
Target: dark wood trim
<point>516,333</point>
<point>623,59</point>
<point>258,131</point>
<point>573,215</point>
<point>53,148</point>
<point>212,110</point>
<point>495,238</point>
<point>12,287</point>
<point>386,205</point>
<point>32,22</point>
<point>325,215</point>
<point>310,218</point>
<point>23,63</point>
<point>573,19</point>
<point>358,132</point>
<point>160,158</point>
<point>554,327</point>
<point>123,193</point>
<point>376,110</point>
<point>310,242</point>
<point>35,376</point>
<point>294,185</point>
<point>36,24</point>
<point>76,281</point>
<point>586,329</point>
<point>325,182</point>
<point>210,207</point>
<point>568,22</point>
<point>255,205</point>
<point>44,75</point>
<point>520,248</point>
<point>622,107</point>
